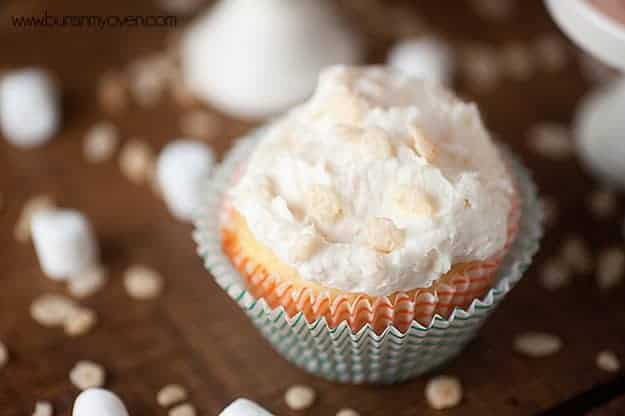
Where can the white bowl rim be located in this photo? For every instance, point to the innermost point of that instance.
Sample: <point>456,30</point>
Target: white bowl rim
<point>599,18</point>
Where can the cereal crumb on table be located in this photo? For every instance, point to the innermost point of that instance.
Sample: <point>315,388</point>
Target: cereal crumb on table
<point>537,344</point>
<point>199,124</point>
<point>443,392</point>
<point>480,68</point>
<point>555,274</point>
<point>347,412</point>
<point>4,355</point>
<point>183,410</point>
<point>551,140</point>
<point>610,268</point>
<point>550,207</point>
<point>100,142</point>
<point>494,10</point>
<point>148,77</point>
<point>137,161</point>
<point>79,321</point>
<point>141,282</point>
<point>51,309</point>
<point>517,61</point>
<point>551,52</point>
<point>608,361</point>
<point>88,282</point>
<point>171,394</point>
<point>87,374</point>
<point>577,254</point>
<point>112,94</point>
<point>602,203</point>
<point>299,397</point>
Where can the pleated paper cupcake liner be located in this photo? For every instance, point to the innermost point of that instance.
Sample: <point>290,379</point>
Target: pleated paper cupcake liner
<point>336,352</point>
<point>457,288</point>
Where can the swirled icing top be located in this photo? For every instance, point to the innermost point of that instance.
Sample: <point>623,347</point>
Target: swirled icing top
<point>379,183</point>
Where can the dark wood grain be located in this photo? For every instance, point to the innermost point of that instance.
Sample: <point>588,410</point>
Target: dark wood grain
<point>194,334</point>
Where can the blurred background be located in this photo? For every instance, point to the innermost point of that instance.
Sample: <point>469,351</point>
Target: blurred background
<point>122,80</point>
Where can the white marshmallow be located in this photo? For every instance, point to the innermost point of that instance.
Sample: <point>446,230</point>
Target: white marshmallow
<point>64,243</point>
<point>243,407</point>
<point>292,41</point>
<point>30,112</point>
<point>423,57</point>
<point>181,167</point>
<point>98,402</point>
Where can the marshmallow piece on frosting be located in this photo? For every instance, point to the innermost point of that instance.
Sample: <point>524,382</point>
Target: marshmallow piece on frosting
<point>244,407</point>
<point>375,145</point>
<point>64,242</point>
<point>181,167</point>
<point>305,246</point>
<point>425,148</point>
<point>383,234</point>
<point>324,203</point>
<point>412,200</point>
<point>293,41</point>
<point>98,402</point>
<point>423,57</point>
<point>30,112</point>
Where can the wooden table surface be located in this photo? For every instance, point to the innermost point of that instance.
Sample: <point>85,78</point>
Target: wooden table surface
<point>194,334</point>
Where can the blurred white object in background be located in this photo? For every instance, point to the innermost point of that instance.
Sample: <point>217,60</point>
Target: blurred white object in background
<point>423,57</point>
<point>589,27</point>
<point>599,27</point>
<point>98,402</point>
<point>64,242</point>
<point>600,131</point>
<point>181,167</point>
<point>30,110</point>
<point>256,58</point>
<point>244,407</point>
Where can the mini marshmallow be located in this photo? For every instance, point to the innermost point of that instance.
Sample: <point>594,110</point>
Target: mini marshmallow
<point>299,397</point>
<point>64,243</point>
<point>43,408</point>
<point>423,57</point>
<point>30,112</point>
<point>181,167</point>
<point>171,394</point>
<point>98,402</point>
<point>244,407</point>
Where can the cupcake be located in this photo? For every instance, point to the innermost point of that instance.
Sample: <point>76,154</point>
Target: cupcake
<point>378,214</point>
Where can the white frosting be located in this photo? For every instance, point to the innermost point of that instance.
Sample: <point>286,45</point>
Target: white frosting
<point>447,203</point>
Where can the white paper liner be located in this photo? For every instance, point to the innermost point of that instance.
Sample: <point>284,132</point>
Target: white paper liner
<point>339,354</point>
